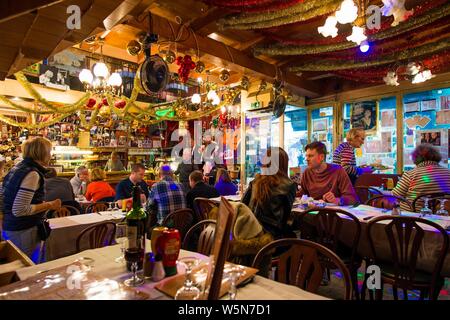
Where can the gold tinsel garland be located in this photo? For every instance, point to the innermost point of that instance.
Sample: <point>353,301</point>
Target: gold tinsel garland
<point>244,18</point>
<point>410,24</point>
<point>293,18</point>
<point>327,65</point>
<point>40,125</point>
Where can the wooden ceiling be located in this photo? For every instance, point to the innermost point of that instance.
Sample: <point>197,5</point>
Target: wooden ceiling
<point>34,30</point>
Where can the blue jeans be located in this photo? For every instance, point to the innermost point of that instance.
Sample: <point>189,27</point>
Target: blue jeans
<point>26,240</point>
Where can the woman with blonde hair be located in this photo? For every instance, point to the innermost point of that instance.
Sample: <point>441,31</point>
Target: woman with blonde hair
<point>344,155</point>
<point>271,194</point>
<point>224,184</point>
<point>99,190</point>
<point>23,192</point>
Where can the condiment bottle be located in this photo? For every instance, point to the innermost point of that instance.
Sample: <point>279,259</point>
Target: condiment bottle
<point>158,272</point>
<point>168,245</point>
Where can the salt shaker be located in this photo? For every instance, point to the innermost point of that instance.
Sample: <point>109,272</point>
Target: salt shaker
<point>158,269</point>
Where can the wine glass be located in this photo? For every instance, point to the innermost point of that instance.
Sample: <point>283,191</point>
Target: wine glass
<point>110,206</point>
<point>121,238</point>
<point>233,274</point>
<point>425,209</point>
<point>442,211</point>
<point>188,291</point>
<point>134,256</point>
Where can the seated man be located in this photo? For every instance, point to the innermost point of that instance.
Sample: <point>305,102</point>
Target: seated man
<point>324,181</point>
<point>59,188</point>
<point>165,196</point>
<point>125,187</point>
<point>199,189</point>
<point>80,180</point>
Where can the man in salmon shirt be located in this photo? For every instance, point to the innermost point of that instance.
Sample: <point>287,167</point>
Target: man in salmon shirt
<point>324,181</point>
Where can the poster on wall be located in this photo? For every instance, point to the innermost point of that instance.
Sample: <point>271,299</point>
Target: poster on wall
<point>431,137</point>
<point>387,118</point>
<point>412,107</point>
<point>53,77</point>
<point>443,117</point>
<point>364,115</point>
<point>428,105</point>
<point>448,135</point>
<point>386,142</point>
<point>320,124</point>
<point>373,146</point>
<point>445,103</point>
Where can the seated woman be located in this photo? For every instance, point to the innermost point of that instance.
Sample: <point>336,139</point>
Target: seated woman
<point>99,190</point>
<point>427,177</point>
<point>224,184</point>
<point>271,194</point>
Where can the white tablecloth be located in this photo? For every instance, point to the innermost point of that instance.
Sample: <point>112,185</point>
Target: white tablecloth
<point>428,250</point>
<point>65,230</point>
<point>259,289</point>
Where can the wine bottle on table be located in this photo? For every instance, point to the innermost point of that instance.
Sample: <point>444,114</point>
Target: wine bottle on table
<point>136,219</point>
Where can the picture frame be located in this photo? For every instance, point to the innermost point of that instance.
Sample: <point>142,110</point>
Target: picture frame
<point>320,124</point>
<point>431,137</point>
<point>411,107</point>
<point>445,102</point>
<point>364,114</point>
<point>427,105</point>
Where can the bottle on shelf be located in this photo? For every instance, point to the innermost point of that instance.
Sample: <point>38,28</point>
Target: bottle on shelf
<point>136,220</point>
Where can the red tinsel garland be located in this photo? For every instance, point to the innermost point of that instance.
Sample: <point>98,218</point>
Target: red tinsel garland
<point>239,3</point>
<point>340,38</point>
<point>275,6</point>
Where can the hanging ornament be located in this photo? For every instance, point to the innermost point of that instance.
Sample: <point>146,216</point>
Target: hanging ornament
<point>134,48</point>
<point>391,79</point>
<point>186,65</point>
<point>120,104</point>
<point>200,67</point>
<point>397,9</point>
<point>357,35</point>
<point>105,102</point>
<point>170,57</point>
<point>224,75</point>
<point>245,83</point>
<point>91,103</point>
<point>104,112</point>
<point>329,28</point>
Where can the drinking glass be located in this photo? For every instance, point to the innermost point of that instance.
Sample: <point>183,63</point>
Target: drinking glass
<point>442,211</point>
<point>121,238</point>
<point>110,206</point>
<point>134,256</point>
<point>188,291</point>
<point>425,209</point>
<point>233,274</point>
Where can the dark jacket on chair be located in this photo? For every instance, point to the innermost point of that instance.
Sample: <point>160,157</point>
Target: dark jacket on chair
<point>200,190</point>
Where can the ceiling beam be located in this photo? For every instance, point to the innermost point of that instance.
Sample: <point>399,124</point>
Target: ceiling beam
<point>228,57</point>
<point>10,9</point>
<point>211,15</point>
<point>120,13</point>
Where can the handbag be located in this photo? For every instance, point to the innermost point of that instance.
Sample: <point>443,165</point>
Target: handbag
<point>44,229</point>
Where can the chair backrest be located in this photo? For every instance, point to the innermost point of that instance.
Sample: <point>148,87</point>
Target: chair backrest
<point>328,226</point>
<point>98,235</point>
<point>200,237</point>
<point>73,210</point>
<point>202,206</point>
<point>181,219</point>
<point>97,207</point>
<point>387,201</point>
<point>433,202</point>
<point>62,212</point>
<point>302,264</point>
<point>365,193</point>
<point>405,237</point>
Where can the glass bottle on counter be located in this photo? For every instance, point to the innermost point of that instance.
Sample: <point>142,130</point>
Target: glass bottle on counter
<point>136,219</point>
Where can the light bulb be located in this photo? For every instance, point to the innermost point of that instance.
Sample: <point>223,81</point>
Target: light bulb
<point>364,47</point>
<point>357,35</point>
<point>347,13</point>
<point>101,70</point>
<point>329,28</point>
<point>216,100</point>
<point>115,80</point>
<point>223,109</point>
<point>211,95</point>
<point>199,80</point>
<point>196,99</point>
<point>86,76</point>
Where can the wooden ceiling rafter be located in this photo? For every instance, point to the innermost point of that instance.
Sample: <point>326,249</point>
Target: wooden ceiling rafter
<point>11,9</point>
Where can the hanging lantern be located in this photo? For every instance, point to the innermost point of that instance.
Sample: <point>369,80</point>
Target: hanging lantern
<point>224,75</point>
<point>170,57</point>
<point>200,67</point>
<point>245,83</point>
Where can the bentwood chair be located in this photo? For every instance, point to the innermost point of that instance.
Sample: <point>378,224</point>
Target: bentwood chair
<point>200,238</point>
<point>328,227</point>
<point>365,193</point>
<point>62,212</point>
<point>433,201</point>
<point>387,202</point>
<point>97,207</point>
<point>96,236</point>
<point>181,219</point>
<point>302,263</point>
<point>405,237</point>
<point>202,207</point>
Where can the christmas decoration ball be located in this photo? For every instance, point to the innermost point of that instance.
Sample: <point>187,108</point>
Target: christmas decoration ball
<point>200,67</point>
<point>170,57</point>
<point>91,103</point>
<point>224,75</point>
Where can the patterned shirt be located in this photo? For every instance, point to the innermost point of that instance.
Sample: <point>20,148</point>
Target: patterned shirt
<point>165,196</point>
<point>344,155</point>
<point>426,177</point>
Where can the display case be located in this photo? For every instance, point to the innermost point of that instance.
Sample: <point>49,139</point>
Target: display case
<point>296,135</point>
<point>68,158</point>
<point>322,128</point>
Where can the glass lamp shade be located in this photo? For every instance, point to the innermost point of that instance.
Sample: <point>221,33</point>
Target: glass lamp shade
<point>216,100</point>
<point>101,70</point>
<point>115,80</point>
<point>86,76</point>
<point>347,13</point>
<point>211,95</point>
<point>196,99</point>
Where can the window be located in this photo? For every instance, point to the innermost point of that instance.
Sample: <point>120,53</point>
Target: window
<point>322,128</point>
<point>296,135</point>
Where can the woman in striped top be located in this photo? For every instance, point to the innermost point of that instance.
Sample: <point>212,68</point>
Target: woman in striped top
<point>427,177</point>
<point>344,155</point>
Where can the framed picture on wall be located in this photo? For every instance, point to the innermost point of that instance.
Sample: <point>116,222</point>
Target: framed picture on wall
<point>431,137</point>
<point>320,124</point>
<point>364,115</point>
<point>412,107</point>
<point>445,103</point>
<point>428,105</point>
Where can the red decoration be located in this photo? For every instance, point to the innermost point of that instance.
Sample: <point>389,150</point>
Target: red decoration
<point>105,102</point>
<point>223,118</point>
<point>255,5</point>
<point>91,103</point>
<point>99,105</point>
<point>186,65</point>
<point>120,104</point>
